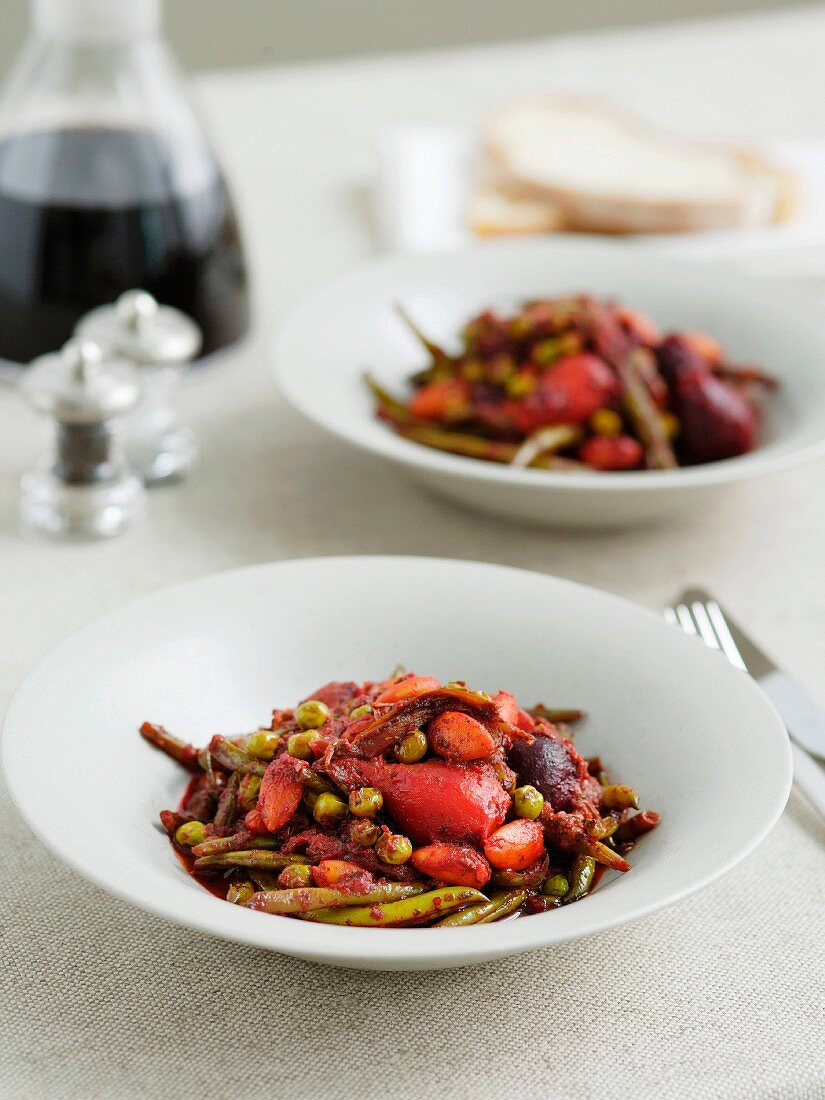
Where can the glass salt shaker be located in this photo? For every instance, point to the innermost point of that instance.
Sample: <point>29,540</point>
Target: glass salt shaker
<point>160,340</point>
<point>83,486</point>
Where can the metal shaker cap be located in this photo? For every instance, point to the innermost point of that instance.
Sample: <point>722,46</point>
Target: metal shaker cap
<point>149,334</point>
<point>83,383</point>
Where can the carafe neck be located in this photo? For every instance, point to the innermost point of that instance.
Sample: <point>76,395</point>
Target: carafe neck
<point>96,20</point>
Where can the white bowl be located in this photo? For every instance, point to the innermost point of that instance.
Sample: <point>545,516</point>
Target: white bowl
<point>351,326</point>
<point>698,738</point>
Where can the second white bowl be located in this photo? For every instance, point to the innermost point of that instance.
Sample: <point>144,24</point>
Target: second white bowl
<point>351,326</point>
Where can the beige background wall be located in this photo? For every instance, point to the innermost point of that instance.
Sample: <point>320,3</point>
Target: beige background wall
<point>222,33</point>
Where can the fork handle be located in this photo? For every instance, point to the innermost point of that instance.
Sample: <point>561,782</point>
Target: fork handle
<point>809,777</point>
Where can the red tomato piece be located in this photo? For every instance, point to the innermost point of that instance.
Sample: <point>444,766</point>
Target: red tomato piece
<point>452,863</point>
<point>568,392</point>
<point>432,800</point>
<point>515,845</point>
<point>458,737</point>
<point>620,452</point>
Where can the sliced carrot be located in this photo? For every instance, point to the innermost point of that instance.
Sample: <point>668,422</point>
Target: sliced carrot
<point>507,707</point>
<point>706,346</point>
<point>458,737</point>
<point>404,689</point>
<point>454,864</point>
<point>437,399</point>
<point>515,845</point>
<point>281,791</point>
<point>330,871</point>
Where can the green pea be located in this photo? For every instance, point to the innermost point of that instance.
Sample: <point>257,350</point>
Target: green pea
<point>364,831</point>
<point>365,801</point>
<point>298,745</point>
<point>190,833</point>
<point>393,848</point>
<point>295,876</point>
<point>555,887</point>
<point>311,714</point>
<point>528,802</point>
<point>412,748</point>
<point>361,712</point>
<point>263,744</point>
<point>239,893</point>
<point>329,808</point>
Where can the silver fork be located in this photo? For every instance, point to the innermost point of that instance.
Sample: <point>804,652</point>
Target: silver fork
<point>698,614</point>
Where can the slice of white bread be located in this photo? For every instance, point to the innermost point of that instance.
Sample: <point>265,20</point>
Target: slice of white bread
<point>602,171</point>
<point>500,209</point>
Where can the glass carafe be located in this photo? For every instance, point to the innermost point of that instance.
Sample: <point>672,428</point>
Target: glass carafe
<point>107,183</point>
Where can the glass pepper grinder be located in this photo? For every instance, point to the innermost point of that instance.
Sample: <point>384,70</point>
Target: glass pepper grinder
<point>82,487</point>
<point>160,340</point>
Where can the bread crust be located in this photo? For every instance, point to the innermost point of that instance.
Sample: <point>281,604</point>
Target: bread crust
<point>777,200</point>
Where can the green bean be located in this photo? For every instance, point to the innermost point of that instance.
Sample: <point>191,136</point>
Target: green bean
<point>243,840</point>
<point>647,420</point>
<point>529,878</point>
<point>266,880</point>
<point>504,904</point>
<point>606,856</point>
<point>602,827</point>
<point>185,755</point>
<point>619,797</point>
<point>314,781</point>
<point>436,353</point>
<point>473,446</point>
<point>637,825</point>
<point>227,803</point>
<point>391,408</point>
<point>545,441</point>
<point>309,898</point>
<point>499,905</point>
<point>582,871</point>
<point>556,714</point>
<point>233,757</point>
<point>412,910</point>
<point>249,858</point>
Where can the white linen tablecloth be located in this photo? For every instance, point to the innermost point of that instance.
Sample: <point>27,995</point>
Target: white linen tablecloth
<point>719,997</point>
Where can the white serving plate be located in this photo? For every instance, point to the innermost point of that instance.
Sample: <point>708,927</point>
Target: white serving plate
<point>699,739</point>
<point>351,326</point>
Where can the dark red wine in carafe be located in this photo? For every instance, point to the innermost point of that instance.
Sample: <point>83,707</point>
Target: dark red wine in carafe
<point>86,214</point>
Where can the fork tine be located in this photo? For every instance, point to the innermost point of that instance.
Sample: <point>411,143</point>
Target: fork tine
<point>685,619</point>
<point>702,620</point>
<point>720,626</point>
<point>669,615</point>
